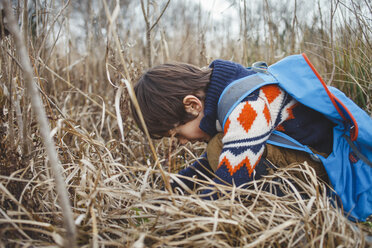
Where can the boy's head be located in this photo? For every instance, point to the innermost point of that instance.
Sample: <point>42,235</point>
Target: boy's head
<point>170,95</point>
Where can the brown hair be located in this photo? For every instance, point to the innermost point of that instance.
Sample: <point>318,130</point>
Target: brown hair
<point>160,92</point>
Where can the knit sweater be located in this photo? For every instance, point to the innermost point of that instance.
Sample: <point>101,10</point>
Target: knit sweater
<point>250,124</point>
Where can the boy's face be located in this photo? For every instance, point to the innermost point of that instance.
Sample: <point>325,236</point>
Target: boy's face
<point>190,131</point>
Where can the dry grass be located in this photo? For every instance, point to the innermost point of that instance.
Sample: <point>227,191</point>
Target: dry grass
<point>117,192</point>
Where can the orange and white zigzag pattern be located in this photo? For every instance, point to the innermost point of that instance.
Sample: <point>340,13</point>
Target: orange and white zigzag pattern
<point>249,126</point>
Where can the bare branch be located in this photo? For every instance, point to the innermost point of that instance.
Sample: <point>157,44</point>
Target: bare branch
<point>40,114</point>
<point>51,28</point>
<point>161,14</point>
<point>333,11</point>
<point>144,12</point>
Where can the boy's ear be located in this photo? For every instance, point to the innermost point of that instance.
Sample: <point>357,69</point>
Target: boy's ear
<point>192,104</point>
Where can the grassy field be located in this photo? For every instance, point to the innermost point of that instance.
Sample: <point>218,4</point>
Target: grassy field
<point>85,55</point>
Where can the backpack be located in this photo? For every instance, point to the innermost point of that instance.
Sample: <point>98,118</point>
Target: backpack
<point>349,165</point>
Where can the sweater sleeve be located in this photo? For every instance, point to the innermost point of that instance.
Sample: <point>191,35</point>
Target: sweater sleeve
<point>199,169</point>
<point>245,134</point>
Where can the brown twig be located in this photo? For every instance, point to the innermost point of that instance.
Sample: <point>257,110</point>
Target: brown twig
<point>51,28</point>
<point>39,111</point>
<point>150,27</point>
<point>333,11</point>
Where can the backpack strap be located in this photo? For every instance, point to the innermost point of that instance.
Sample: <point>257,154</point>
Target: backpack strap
<point>235,92</point>
<point>283,140</point>
<point>356,151</point>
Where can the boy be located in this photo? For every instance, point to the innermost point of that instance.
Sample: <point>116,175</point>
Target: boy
<point>181,100</point>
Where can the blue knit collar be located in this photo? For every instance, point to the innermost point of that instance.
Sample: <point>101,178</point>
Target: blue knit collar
<point>224,72</point>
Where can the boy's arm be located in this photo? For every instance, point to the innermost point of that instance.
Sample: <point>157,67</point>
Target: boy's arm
<point>245,134</point>
<point>196,170</point>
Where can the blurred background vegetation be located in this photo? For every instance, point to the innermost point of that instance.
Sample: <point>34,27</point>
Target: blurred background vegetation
<point>336,35</point>
<point>78,70</point>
